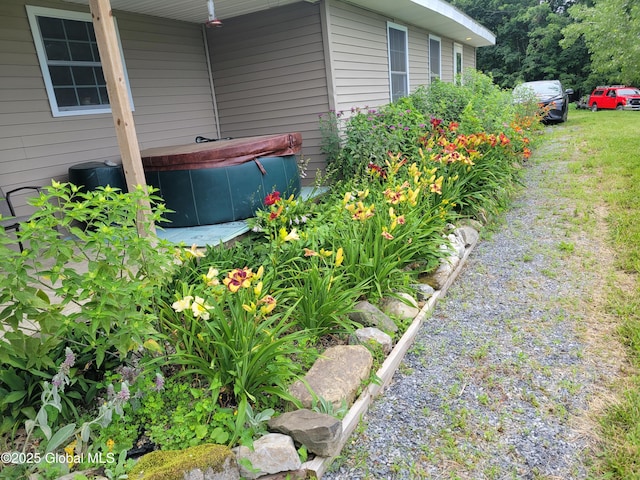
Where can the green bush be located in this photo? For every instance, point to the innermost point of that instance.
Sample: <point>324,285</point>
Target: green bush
<point>110,303</point>
<point>420,126</point>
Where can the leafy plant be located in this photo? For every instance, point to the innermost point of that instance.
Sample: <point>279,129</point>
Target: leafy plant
<point>321,405</point>
<point>104,311</point>
<point>53,436</point>
<point>228,333</point>
<point>321,292</point>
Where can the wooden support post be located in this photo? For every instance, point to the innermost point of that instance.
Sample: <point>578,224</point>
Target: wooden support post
<point>113,69</point>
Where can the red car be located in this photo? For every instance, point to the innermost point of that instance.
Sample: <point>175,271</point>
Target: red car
<point>618,97</point>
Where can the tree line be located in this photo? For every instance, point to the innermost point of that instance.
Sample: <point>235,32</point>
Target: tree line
<point>583,43</point>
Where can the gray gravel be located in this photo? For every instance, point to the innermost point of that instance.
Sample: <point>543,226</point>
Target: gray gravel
<point>499,379</point>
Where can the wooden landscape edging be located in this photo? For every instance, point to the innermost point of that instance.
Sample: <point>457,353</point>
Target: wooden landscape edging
<point>319,465</point>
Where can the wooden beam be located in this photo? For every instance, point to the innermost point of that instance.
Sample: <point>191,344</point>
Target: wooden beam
<point>113,70</point>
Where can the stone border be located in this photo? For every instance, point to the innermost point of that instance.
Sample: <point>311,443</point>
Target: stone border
<point>319,465</point>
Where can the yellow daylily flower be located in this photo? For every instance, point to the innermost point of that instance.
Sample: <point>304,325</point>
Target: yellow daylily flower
<point>200,309</point>
<point>251,308</point>
<point>211,277</point>
<point>288,236</point>
<point>412,196</point>
<point>182,304</point>
<point>194,252</point>
<point>415,172</point>
<point>269,304</point>
<point>436,187</point>
<point>339,257</point>
<point>239,277</point>
<point>362,194</point>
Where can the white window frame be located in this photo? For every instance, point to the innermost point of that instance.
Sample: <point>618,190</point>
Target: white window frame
<point>33,13</point>
<point>458,49</point>
<point>395,26</point>
<point>433,38</point>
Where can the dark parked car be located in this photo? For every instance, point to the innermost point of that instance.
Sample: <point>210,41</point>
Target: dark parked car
<point>550,96</point>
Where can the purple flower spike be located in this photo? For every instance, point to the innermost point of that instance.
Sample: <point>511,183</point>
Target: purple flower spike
<point>159,381</point>
<point>124,393</point>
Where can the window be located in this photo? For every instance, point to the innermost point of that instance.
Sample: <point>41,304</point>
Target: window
<point>70,63</point>
<point>434,58</point>
<point>457,62</point>
<point>398,61</point>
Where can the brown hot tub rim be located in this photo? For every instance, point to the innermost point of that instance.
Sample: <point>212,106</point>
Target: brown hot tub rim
<point>221,153</point>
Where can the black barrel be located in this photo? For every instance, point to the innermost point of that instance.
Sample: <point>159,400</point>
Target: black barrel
<point>91,175</point>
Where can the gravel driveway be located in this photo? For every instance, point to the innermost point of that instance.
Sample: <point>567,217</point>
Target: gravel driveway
<point>501,378</point>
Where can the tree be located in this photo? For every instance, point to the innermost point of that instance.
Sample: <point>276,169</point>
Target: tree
<point>528,33</point>
<point>611,32</point>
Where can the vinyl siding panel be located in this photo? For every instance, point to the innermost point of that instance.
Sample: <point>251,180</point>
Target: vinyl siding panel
<point>447,59</point>
<point>360,59</point>
<point>359,54</point>
<point>274,80</point>
<point>167,71</point>
<point>418,58</point>
<point>468,57</point>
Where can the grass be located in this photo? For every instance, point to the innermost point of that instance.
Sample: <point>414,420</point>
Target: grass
<point>604,156</point>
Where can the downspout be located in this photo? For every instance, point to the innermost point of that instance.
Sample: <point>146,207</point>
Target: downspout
<point>211,84</point>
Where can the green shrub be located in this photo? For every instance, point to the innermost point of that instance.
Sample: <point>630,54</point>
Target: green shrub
<point>370,134</point>
<point>110,303</point>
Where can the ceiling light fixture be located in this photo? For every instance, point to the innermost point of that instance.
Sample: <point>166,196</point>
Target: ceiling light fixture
<point>213,20</point>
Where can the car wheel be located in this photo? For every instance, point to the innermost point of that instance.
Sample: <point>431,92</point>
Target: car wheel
<point>619,107</point>
<point>594,107</point>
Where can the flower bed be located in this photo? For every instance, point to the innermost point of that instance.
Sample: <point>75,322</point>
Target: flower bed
<point>181,347</point>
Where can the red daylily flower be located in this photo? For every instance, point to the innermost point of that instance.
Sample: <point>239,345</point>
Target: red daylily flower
<point>272,198</point>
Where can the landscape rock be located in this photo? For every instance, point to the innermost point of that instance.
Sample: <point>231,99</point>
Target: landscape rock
<point>335,376</point>
<point>470,222</point>
<point>438,278</point>
<point>272,453</point>
<point>203,462</point>
<point>423,291</point>
<point>450,255</point>
<point>467,235</point>
<point>373,334</point>
<point>368,315</point>
<point>319,432</point>
<point>457,245</point>
<point>404,307</point>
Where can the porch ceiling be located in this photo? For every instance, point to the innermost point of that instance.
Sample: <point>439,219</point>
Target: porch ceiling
<point>194,11</point>
<point>436,16</point>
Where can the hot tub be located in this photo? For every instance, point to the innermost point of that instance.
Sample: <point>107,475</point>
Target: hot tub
<point>222,181</point>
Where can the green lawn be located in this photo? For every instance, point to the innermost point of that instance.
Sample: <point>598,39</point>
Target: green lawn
<point>603,151</point>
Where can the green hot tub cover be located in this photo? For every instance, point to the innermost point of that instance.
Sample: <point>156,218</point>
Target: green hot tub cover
<point>225,180</point>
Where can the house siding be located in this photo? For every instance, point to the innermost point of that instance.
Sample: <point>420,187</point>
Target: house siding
<point>418,58</point>
<point>273,79</point>
<point>167,70</point>
<point>360,58</point>
<point>359,54</point>
<point>447,59</point>
<point>468,57</point>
